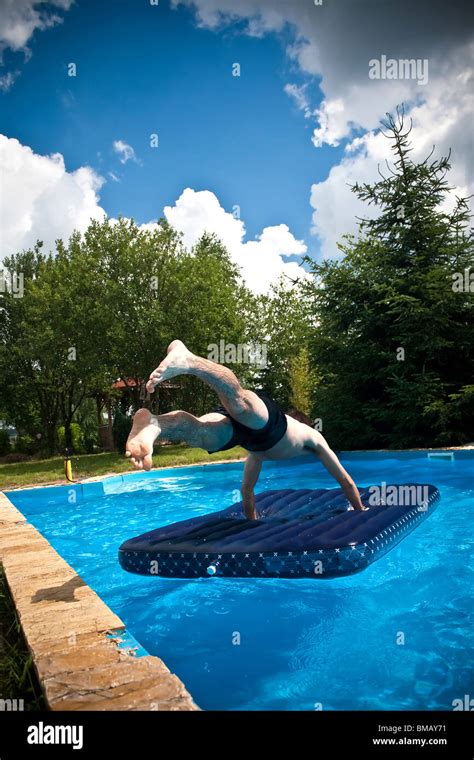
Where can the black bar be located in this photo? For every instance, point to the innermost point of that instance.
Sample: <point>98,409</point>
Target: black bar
<point>311,735</point>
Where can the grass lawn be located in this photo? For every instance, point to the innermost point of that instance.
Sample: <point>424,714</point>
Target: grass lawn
<point>42,471</point>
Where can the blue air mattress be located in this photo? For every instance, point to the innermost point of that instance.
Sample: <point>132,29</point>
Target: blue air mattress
<point>299,534</point>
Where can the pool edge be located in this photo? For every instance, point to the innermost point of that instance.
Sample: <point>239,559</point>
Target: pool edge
<point>77,650</point>
<point>129,475</point>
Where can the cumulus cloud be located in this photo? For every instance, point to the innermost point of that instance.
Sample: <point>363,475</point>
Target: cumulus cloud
<point>261,260</point>
<point>445,121</point>
<point>19,19</point>
<point>125,151</point>
<point>333,44</point>
<point>336,41</point>
<point>41,200</point>
<point>335,206</point>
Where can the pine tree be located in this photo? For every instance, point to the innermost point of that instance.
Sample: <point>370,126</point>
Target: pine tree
<point>395,337</point>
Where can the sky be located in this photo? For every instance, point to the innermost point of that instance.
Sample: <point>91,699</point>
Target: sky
<point>156,123</point>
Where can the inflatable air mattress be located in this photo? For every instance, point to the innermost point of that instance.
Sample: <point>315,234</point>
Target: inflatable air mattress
<point>299,534</point>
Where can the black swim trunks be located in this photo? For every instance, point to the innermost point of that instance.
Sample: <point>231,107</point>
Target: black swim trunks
<point>257,440</point>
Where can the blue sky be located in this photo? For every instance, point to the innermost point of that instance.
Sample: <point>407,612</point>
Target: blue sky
<point>144,69</point>
<point>284,141</point>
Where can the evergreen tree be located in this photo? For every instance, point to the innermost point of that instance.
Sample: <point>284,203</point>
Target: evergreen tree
<point>395,337</point>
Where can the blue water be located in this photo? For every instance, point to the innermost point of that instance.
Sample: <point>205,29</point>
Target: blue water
<point>304,644</point>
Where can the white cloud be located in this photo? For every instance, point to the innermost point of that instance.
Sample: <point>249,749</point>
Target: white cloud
<point>125,151</point>
<point>261,260</point>
<point>149,226</point>
<point>335,206</point>
<point>445,121</point>
<point>19,19</point>
<point>8,80</point>
<point>298,94</point>
<point>332,119</point>
<point>41,200</point>
<point>212,13</point>
<point>334,43</point>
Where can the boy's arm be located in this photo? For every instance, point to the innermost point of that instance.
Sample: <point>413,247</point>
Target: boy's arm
<point>332,464</point>
<point>252,468</point>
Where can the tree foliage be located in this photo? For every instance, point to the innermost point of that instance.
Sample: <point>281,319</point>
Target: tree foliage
<point>379,345</point>
<point>106,306</point>
<point>285,325</point>
<point>301,382</point>
<point>395,341</point>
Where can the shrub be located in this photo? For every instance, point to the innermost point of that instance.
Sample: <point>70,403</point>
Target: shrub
<point>121,427</point>
<point>77,439</point>
<point>91,445</point>
<point>26,444</point>
<point>88,422</point>
<point>5,447</point>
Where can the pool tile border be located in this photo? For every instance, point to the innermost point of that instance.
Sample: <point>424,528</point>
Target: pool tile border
<point>74,637</point>
<point>97,485</point>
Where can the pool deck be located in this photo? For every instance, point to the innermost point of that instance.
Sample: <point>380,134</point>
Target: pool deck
<point>73,636</point>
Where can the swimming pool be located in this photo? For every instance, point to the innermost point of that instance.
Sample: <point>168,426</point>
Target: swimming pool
<point>396,636</point>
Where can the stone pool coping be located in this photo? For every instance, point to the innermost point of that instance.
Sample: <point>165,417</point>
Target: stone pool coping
<point>76,641</point>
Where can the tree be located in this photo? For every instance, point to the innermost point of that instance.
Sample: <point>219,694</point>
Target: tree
<point>301,382</point>
<point>286,324</point>
<point>106,306</point>
<point>31,409</point>
<point>209,304</point>
<point>54,338</point>
<point>395,341</point>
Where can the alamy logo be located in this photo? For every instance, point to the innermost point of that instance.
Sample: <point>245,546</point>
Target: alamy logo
<point>45,734</point>
<point>238,353</point>
<point>10,705</point>
<point>463,704</point>
<point>403,68</point>
<point>399,496</point>
<point>463,282</point>
<point>12,282</point>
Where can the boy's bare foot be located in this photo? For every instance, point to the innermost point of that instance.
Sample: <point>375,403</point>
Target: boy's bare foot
<point>139,446</point>
<point>177,361</point>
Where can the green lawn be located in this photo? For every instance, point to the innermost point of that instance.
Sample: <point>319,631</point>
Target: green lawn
<point>36,472</point>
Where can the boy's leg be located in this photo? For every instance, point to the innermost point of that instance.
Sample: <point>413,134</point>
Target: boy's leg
<point>243,405</point>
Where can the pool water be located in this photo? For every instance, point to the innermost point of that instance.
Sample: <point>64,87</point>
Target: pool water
<point>396,636</point>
